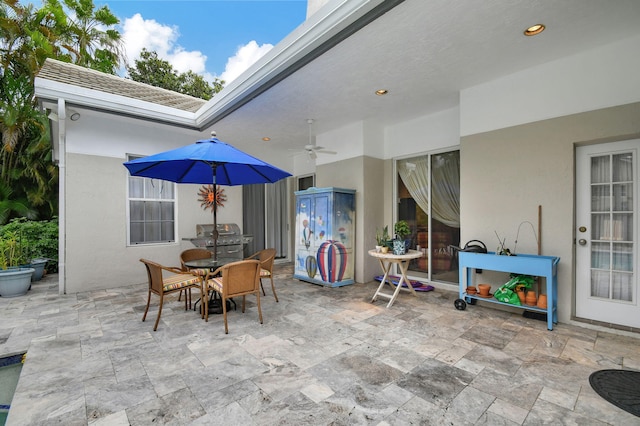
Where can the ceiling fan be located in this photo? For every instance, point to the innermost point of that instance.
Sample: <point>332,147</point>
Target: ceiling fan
<point>311,149</point>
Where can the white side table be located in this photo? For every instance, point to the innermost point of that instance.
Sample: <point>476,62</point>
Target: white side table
<point>402,260</point>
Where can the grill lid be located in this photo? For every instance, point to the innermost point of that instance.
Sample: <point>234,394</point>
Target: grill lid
<point>228,234</point>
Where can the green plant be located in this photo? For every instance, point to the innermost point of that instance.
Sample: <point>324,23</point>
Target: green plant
<point>401,228</point>
<point>12,250</point>
<point>382,236</point>
<point>39,239</point>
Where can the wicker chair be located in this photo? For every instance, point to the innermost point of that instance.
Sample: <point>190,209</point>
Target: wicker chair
<point>233,280</point>
<point>178,280</point>
<point>188,255</point>
<point>266,258</point>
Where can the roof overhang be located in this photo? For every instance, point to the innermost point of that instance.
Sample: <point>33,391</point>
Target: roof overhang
<point>333,23</point>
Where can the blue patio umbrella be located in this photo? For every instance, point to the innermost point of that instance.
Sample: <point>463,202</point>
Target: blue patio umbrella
<point>208,161</point>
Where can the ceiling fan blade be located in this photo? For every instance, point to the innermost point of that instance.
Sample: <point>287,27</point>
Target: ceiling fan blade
<point>325,151</point>
<point>311,147</point>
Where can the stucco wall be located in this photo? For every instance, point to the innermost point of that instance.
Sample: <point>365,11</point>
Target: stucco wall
<point>364,175</point>
<point>97,255</point>
<point>599,78</point>
<point>507,173</point>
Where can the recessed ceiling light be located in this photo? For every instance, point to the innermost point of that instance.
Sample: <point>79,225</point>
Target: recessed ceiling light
<point>381,92</point>
<point>266,139</point>
<point>534,29</point>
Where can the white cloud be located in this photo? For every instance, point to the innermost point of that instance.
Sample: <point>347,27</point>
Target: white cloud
<point>139,33</point>
<point>245,56</point>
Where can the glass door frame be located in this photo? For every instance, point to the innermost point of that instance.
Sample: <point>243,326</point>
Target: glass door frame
<point>413,274</point>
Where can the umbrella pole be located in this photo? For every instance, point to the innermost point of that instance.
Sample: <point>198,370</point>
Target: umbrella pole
<point>215,214</point>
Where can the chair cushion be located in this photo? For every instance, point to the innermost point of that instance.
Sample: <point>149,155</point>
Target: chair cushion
<point>179,281</point>
<point>216,284</point>
<point>264,273</point>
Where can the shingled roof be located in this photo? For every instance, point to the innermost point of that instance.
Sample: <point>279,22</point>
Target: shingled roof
<point>63,72</point>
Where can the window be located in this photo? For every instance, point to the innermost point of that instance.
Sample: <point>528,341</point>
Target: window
<point>151,210</point>
<point>306,182</point>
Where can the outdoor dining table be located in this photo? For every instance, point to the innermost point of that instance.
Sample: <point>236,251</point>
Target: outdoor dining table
<point>211,264</point>
<point>402,260</point>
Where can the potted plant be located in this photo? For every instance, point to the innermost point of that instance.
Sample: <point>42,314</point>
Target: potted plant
<point>401,229</point>
<point>15,279</point>
<point>382,239</point>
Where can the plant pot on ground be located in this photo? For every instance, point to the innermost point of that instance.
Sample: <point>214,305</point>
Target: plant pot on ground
<point>15,279</point>
<point>38,266</point>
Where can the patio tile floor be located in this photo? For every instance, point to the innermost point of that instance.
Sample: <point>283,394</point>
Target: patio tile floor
<point>322,356</point>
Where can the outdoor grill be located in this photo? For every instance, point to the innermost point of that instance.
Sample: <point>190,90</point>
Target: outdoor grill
<point>230,241</point>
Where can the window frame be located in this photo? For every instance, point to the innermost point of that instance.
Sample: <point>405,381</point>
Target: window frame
<point>130,199</point>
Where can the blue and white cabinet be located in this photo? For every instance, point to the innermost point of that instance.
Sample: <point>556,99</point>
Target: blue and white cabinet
<point>325,236</point>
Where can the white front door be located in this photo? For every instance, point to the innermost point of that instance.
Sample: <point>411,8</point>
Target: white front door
<point>607,233</point>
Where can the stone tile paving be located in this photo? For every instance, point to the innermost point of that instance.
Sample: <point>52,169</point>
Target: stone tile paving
<point>322,356</point>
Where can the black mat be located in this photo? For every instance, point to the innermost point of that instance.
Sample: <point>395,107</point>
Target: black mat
<point>619,387</point>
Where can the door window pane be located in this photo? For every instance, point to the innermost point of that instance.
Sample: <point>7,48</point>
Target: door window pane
<point>623,197</point>
<point>600,198</point>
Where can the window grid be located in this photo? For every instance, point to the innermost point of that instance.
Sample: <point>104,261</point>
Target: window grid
<point>151,210</point>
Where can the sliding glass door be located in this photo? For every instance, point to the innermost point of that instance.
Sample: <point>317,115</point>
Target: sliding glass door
<point>428,188</point>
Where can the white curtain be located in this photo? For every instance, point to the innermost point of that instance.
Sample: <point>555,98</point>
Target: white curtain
<point>414,173</point>
<point>276,216</point>
<point>445,178</point>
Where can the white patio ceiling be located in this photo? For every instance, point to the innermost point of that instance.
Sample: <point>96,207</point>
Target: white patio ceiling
<point>424,52</point>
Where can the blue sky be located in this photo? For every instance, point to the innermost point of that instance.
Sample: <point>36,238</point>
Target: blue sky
<point>214,38</point>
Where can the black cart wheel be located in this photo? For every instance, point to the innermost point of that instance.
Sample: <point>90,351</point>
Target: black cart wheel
<point>460,304</point>
<point>471,301</point>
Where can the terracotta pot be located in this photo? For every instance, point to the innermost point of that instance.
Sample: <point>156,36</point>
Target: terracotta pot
<point>471,290</point>
<point>542,301</point>
<point>484,289</point>
<point>530,298</point>
<point>521,296</point>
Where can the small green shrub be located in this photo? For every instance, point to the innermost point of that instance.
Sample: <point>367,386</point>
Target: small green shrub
<point>401,229</point>
<point>39,239</point>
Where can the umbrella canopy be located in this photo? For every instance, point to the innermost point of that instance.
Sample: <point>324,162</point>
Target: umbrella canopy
<point>208,161</point>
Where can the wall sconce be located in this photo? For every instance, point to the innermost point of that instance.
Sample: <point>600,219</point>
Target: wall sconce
<point>73,115</point>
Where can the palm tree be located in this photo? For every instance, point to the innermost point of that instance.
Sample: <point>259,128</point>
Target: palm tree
<point>84,39</point>
<point>69,31</point>
<point>10,206</point>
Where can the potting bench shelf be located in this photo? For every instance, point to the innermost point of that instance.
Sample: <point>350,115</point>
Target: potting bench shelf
<point>526,264</point>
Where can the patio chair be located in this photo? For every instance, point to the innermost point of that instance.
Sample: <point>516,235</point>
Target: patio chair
<point>233,280</point>
<point>188,255</point>
<point>178,280</point>
<point>266,258</point>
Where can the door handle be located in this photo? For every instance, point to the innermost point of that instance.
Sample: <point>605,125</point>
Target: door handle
<point>582,242</point>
